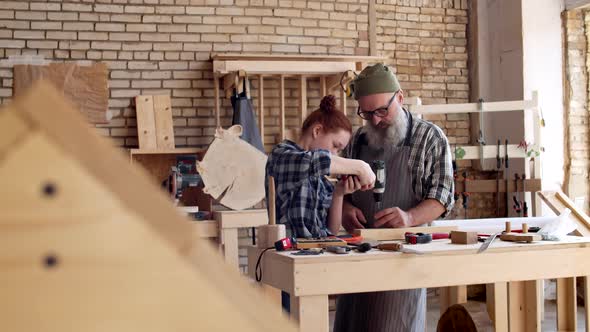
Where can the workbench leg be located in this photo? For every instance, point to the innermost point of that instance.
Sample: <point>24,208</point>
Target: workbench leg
<point>523,306</point>
<point>230,246</point>
<point>566,304</point>
<point>497,304</point>
<point>311,312</point>
<point>587,301</point>
<point>451,295</point>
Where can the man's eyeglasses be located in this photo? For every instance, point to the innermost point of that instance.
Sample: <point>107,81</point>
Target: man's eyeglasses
<point>380,112</point>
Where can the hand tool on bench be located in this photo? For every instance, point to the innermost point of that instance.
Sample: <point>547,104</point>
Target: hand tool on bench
<point>395,246</point>
<point>498,167</point>
<point>421,238</point>
<point>487,242</point>
<point>465,194</point>
<point>525,236</point>
<point>506,177</point>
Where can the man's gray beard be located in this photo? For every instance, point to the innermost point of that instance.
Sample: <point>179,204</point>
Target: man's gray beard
<point>390,136</point>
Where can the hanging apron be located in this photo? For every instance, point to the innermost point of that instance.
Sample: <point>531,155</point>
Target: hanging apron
<point>391,311</point>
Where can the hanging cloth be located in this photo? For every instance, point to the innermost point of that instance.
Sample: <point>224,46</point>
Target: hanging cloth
<point>244,115</point>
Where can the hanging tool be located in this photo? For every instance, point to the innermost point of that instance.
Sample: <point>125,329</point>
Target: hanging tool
<point>515,197</point>
<point>525,208</point>
<point>455,175</point>
<point>394,246</point>
<point>498,167</point>
<point>379,188</point>
<point>481,139</point>
<point>465,194</point>
<point>506,177</point>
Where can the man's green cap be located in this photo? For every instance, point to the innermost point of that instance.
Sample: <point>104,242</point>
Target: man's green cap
<point>373,80</point>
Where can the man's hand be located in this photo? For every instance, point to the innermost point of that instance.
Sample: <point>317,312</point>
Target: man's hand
<point>393,218</point>
<point>352,217</point>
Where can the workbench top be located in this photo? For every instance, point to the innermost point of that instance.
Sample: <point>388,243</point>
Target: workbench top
<point>444,247</point>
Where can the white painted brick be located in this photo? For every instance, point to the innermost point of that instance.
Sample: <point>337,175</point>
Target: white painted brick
<point>110,27</point>
<point>198,47</point>
<point>177,84</point>
<point>317,32</point>
<point>191,10</point>
<point>168,47</point>
<point>285,48</point>
<point>273,39</point>
<point>304,22</point>
<point>173,65</point>
<point>129,46</point>
<point>145,84</point>
<point>125,55</point>
<point>257,47</point>
<point>22,5</point>
<point>154,75</point>
<point>247,20</point>
<point>20,24</point>
<point>229,47</point>
<point>287,12</point>
<point>5,34</point>
<point>79,26</point>
<point>231,29</point>
<point>171,27</point>
<point>259,29</point>
<point>185,37</point>
<point>66,16</point>
<point>42,44</point>
<point>139,10</point>
<point>125,74</point>
<point>201,28</point>
<point>100,45</point>
<point>28,34</point>
<point>62,35</point>
<point>45,6</point>
<point>301,40</point>
<point>244,38</point>
<point>229,11</point>
<point>187,19</point>
<point>93,36</point>
<point>146,56</point>
<point>126,18</point>
<point>115,9</point>
<point>217,20</point>
<point>158,37</point>
<point>30,16</point>
<point>313,49</point>
<point>275,21</point>
<point>289,31</point>
<point>151,65</point>
<point>157,19</point>
<point>6,14</point>
<point>315,14</point>
<point>10,43</point>
<point>74,45</point>
<point>214,38</point>
<point>141,27</point>
<point>121,36</point>
<point>170,10</point>
<point>76,7</point>
<point>257,12</point>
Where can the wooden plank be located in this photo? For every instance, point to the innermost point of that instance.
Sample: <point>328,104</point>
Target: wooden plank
<point>372,28</point>
<point>566,304</point>
<point>558,203</point>
<point>217,101</point>
<point>258,67</point>
<point>323,86</point>
<point>451,295</point>
<point>282,107</point>
<point>303,97</point>
<point>164,124</point>
<point>242,218</point>
<point>146,122</point>
<point>576,4</point>
<point>261,106</point>
<point>13,129</point>
<point>135,152</point>
<point>523,306</point>
<point>206,228</point>
<point>488,186</point>
<point>230,246</point>
<point>498,106</point>
<point>490,151</point>
<point>311,312</point>
<point>295,57</point>
<point>383,234</point>
<point>497,304</point>
<point>343,101</point>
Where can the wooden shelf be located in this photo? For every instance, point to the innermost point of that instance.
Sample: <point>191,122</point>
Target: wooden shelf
<point>166,151</point>
<point>243,218</point>
<point>281,57</point>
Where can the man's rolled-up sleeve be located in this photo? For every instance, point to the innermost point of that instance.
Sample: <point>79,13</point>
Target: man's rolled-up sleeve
<point>439,181</point>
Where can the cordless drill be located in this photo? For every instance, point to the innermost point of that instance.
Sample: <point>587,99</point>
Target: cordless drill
<point>379,189</point>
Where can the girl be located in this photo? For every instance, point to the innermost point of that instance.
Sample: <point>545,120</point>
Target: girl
<point>306,201</point>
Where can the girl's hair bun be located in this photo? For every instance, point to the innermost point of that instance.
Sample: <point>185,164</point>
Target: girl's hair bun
<point>328,104</point>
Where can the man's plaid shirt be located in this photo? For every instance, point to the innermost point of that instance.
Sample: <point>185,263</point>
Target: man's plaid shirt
<point>303,194</point>
<point>430,162</point>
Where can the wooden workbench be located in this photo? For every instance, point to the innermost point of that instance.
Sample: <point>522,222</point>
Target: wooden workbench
<point>517,267</point>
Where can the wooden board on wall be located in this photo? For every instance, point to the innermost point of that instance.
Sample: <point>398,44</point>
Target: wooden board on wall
<point>85,86</point>
<point>155,129</point>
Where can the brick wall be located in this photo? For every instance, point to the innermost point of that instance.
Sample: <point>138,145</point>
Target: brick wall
<point>164,47</point>
<point>576,31</point>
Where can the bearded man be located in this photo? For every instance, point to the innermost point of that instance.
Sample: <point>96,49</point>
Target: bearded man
<point>419,188</point>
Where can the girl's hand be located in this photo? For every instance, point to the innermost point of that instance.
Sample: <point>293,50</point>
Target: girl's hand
<point>348,184</point>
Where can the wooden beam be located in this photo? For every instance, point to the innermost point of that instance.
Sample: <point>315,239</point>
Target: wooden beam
<point>217,101</point>
<point>576,4</point>
<point>282,107</point>
<point>489,186</point>
<point>566,304</point>
<point>311,312</point>
<point>343,101</point>
<point>282,67</point>
<point>498,106</point>
<point>261,106</point>
<point>523,306</point>
<point>558,202</point>
<point>291,57</point>
<point>587,301</point>
<point>372,28</point>
<point>384,234</point>
<point>323,86</point>
<point>497,305</point>
<point>452,295</point>
<point>490,151</point>
<point>303,97</point>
